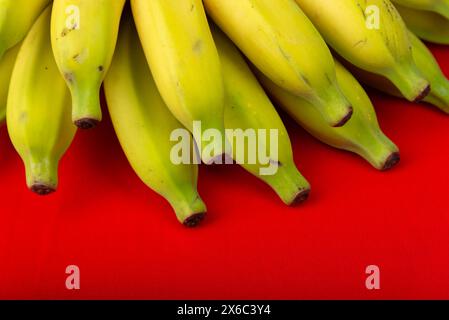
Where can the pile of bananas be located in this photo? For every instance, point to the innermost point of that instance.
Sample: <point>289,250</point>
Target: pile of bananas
<point>167,64</point>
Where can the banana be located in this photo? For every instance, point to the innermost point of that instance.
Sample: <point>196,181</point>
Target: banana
<point>426,62</point>
<point>38,109</point>
<point>144,125</point>
<point>184,61</point>
<point>247,107</point>
<point>361,135</point>
<point>279,40</point>
<point>84,35</point>
<point>6,67</point>
<point>16,18</point>
<point>438,6</point>
<point>371,35</point>
<point>427,25</point>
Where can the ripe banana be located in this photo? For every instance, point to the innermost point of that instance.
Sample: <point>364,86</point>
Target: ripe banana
<point>438,6</point>
<point>184,61</point>
<point>144,124</point>
<point>6,67</point>
<point>371,35</point>
<point>361,135</point>
<point>247,107</point>
<point>38,109</point>
<point>426,62</point>
<point>16,18</point>
<point>427,25</point>
<point>84,35</point>
<point>280,41</point>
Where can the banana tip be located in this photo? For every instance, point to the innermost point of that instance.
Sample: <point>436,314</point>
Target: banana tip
<point>423,94</point>
<point>391,161</point>
<point>86,123</point>
<point>345,119</point>
<point>300,197</point>
<point>42,189</point>
<point>194,219</point>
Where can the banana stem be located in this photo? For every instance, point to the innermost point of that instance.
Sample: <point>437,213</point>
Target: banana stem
<point>189,208</point>
<point>379,151</point>
<point>335,110</point>
<point>289,184</point>
<point>41,175</point>
<point>86,108</point>
<point>439,95</point>
<point>409,80</point>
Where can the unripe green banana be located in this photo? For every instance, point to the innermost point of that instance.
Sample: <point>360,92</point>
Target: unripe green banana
<point>427,25</point>
<point>426,62</point>
<point>438,6</point>
<point>38,109</point>
<point>371,35</point>
<point>361,135</point>
<point>16,18</point>
<point>144,125</point>
<point>282,42</point>
<point>184,61</point>
<point>247,107</point>
<point>84,35</point>
<point>6,67</point>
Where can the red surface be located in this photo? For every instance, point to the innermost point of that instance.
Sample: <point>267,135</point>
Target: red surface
<point>128,244</point>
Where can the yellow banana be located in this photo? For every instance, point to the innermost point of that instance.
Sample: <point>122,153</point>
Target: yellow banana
<point>6,67</point>
<point>427,25</point>
<point>16,18</point>
<point>38,109</point>
<point>361,135</point>
<point>84,35</point>
<point>280,41</point>
<point>437,6</point>
<point>371,35</point>
<point>426,62</point>
<point>144,125</point>
<point>247,107</point>
<point>184,61</point>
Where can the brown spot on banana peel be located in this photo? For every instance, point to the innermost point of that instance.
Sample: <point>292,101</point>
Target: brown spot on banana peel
<point>194,219</point>
<point>86,123</point>
<point>391,161</point>
<point>42,189</point>
<point>69,77</point>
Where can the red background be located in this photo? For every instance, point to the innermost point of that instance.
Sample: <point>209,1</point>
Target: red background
<point>128,244</point>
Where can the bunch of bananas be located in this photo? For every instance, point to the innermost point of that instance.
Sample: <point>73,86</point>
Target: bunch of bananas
<point>165,67</point>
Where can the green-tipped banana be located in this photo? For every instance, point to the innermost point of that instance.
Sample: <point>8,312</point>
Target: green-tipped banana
<point>426,62</point>
<point>184,61</point>
<point>361,135</point>
<point>16,18</point>
<point>371,35</point>
<point>144,125</point>
<point>248,109</point>
<point>438,6</point>
<point>84,35</point>
<point>282,42</point>
<point>38,110</point>
<point>6,67</point>
<point>427,25</point>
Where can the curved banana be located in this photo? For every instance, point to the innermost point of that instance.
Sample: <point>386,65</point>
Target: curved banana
<point>38,110</point>
<point>427,25</point>
<point>361,135</point>
<point>426,62</point>
<point>184,61</point>
<point>248,108</point>
<point>281,42</point>
<point>84,35</point>
<point>6,67</point>
<point>437,6</point>
<point>371,35</point>
<point>16,18</point>
<point>144,124</point>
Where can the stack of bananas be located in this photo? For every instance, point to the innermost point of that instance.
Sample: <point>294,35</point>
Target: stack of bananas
<point>164,66</point>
